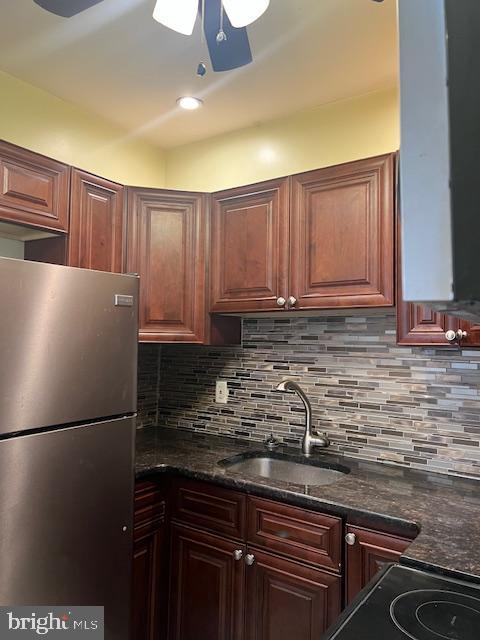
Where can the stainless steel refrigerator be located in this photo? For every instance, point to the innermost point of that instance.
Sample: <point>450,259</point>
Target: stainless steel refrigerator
<point>68,369</point>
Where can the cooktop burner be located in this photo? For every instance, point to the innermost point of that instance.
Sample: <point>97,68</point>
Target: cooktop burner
<point>430,614</point>
<point>407,604</point>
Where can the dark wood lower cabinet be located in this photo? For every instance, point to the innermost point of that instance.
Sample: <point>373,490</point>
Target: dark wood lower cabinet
<point>366,554</point>
<point>147,585</point>
<point>287,600</point>
<point>207,587</point>
<point>247,577</point>
<point>150,565</point>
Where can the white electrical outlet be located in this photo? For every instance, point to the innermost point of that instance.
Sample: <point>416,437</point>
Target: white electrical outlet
<point>221,392</point>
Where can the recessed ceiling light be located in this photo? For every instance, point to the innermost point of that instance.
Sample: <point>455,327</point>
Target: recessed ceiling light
<point>189,102</point>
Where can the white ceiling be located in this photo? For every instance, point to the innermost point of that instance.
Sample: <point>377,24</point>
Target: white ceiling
<point>116,61</point>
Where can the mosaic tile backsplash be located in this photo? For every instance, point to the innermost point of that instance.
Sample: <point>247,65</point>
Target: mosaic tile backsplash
<point>411,406</point>
<point>148,384</point>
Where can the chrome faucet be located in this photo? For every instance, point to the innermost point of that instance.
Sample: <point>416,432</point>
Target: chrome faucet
<point>311,438</point>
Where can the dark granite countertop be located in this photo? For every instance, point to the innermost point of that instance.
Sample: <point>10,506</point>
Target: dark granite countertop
<point>445,509</point>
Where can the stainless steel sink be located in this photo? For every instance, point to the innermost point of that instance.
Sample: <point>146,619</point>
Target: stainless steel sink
<point>282,467</point>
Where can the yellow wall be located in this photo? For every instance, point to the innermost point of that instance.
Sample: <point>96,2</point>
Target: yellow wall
<point>338,132</point>
<point>39,121</point>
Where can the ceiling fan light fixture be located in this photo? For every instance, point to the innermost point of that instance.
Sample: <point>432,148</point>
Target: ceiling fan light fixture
<point>189,103</point>
<point>241,13</point>
<point>179,15</point>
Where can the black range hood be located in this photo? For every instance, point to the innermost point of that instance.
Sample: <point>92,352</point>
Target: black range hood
<point>440,153</point>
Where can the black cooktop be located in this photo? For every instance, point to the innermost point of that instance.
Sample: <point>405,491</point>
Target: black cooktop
<point>408,604</point>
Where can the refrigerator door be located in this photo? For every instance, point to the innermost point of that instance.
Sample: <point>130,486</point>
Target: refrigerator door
<point>65,498</point>
<point>68,344</point>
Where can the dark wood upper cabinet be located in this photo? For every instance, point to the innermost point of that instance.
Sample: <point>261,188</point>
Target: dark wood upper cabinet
<point>366,554</point>
<point>418,325</point>
<point>321,239</point>
<point>166,247</point>
<point>287,600</point>
<point>342,235</point>
<point>34,189</point>
<point>249,247</point>
<point>472,339</point>
<point>96,223</point>
<point>207,587</point>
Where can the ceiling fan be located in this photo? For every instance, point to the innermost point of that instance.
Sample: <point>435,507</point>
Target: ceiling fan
<point>224,23</point>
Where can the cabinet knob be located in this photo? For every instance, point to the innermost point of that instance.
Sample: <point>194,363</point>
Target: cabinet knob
<point>291,302</point>
<point>350,539</point>
<point>237,554</point>
<point>249,559</point>
<point>453,336</point>
<point>281,302</point>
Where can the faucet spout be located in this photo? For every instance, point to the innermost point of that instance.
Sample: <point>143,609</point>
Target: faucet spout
<point>310,438</point>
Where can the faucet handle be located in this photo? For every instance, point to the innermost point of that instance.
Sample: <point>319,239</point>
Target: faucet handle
<point>321,439</point>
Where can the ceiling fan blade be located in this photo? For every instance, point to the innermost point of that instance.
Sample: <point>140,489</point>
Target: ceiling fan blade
<point>66,8</point>
<point>233,52</point>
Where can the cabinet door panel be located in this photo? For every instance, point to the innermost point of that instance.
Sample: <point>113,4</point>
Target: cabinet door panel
<point>368,555</point>
<point>419,325</point>
<point>96,223</point>
<point>207,588</point>
<point>343,235</point>
<point>249,247</point>
<point>287,600</point>
<point>166,247</point>
<point>34,190</point>
<point>472,338</point>
<point>146,586</point>
<point>150,564</point>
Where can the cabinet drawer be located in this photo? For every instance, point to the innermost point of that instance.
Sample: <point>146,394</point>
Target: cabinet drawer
<point>299,533</point>
<point>210,507</point>
<point>149,503</point>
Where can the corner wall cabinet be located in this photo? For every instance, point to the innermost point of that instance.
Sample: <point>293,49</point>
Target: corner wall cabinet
<point>166,247</point>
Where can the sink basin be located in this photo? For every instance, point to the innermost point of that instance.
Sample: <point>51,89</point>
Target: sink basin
<point>293,469</point>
